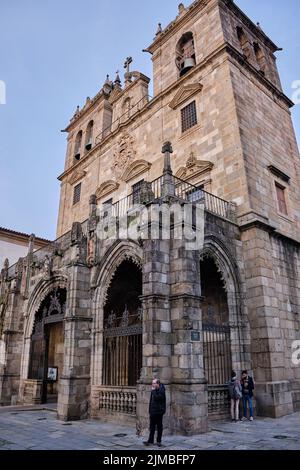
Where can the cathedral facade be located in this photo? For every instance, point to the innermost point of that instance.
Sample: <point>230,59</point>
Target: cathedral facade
<point>90,319</point>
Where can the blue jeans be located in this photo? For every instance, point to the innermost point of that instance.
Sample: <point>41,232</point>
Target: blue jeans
<point>247,399</point>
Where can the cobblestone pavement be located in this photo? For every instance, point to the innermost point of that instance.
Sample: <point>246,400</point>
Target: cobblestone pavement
<point>38,429</point>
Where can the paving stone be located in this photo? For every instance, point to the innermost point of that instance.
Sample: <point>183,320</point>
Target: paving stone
<point>96,435</point>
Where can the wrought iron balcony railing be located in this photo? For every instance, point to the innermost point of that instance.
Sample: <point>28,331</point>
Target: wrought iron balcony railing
<point>183,191</point>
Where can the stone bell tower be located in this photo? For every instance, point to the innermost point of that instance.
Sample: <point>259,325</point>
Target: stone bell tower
<point>213,54</point>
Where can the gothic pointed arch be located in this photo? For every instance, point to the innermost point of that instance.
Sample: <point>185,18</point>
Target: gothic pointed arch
<point>225,262</point>
<point>40,292</point>
<point>117,253</point>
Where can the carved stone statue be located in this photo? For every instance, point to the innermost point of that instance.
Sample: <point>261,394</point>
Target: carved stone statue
<point>47,266</point>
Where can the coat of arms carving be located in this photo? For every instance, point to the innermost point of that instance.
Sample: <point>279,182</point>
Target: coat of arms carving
<point>123,155</point>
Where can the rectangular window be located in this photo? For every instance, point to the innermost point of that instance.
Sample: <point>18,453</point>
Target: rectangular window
<point>188,116</point>
<point>77,193</point>
<point>280,191</point>
<point>107,207</point>
<point>136,191</point>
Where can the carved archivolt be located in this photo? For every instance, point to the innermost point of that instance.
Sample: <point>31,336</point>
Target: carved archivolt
<point>136,168</point>
<point>184,94</point>
<point>225,263</point>
<point>124,257</point>
<point>124,155</point>
<point>115,256</point>
<point>106,188</point>
<point>40,292</point>
<point>78,175</point>
<point>194,168</point>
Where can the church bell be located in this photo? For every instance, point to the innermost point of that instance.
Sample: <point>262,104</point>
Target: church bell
<point>187,65</point>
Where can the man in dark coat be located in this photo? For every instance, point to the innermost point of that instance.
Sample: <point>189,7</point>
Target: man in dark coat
<point>157,409</point>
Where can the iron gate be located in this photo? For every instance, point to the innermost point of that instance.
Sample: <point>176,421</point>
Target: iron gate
<point>122,352</point>
<point>217,366</point>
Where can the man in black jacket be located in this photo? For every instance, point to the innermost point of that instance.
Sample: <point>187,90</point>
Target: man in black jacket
<point>247,391</point>
<point>157,409</point>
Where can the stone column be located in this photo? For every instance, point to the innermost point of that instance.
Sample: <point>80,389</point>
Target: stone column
<point>11,347</point>
<point>157,337</point>
<point>189,399</point>
<point>168,188</point>
<point>272,392</point>
<point>74,387</point>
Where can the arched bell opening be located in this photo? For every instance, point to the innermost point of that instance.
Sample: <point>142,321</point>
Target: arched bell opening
<point>185,54</point>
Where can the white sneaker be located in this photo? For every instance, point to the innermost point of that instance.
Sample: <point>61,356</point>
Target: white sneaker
<point>251,419</point>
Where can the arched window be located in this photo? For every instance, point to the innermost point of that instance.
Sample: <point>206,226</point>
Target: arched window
<point>185,54</point>
<point>244,41</point>
<point>89,136</point>
<point>260,57</point>
<point>77,149</point>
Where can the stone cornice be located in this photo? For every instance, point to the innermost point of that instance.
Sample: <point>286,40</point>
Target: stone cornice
<point>86,109</point>
<point>279,173</point>
<point>257,223</point>
<point>267,227</point>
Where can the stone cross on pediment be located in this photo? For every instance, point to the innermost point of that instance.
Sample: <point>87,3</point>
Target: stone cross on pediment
<point>127,63</point>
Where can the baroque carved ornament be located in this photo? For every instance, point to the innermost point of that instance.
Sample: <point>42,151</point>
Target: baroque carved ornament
<point>194,167</point>
<point>124,155</point>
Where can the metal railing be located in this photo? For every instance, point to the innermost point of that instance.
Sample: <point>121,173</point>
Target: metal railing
<point>183,191</point>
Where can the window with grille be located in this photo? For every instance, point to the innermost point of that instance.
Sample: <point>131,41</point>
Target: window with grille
<point>107,205</point>
<point>136,191</point>
<point>77,193</point>
<point>280,192</point>
<point>188,116</point>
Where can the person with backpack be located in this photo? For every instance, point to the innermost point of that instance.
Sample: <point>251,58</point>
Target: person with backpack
<point>235,392</point>
<point>247,393</point>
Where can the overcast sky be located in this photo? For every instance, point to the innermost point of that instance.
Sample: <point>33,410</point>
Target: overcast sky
<point>55,53</point>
